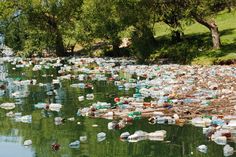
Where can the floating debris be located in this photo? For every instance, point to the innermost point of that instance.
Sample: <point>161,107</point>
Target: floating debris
<point>75,144</point>
<point>202,148</point>
<point>27,142</point>
<point>8,106</point>
<point>101,136</point>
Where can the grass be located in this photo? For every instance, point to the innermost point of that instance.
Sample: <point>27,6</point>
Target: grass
<point>196,45</point>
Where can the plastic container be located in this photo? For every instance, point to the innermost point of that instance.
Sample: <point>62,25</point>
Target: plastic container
<point>27,142</point>
<point>124,135</point>
<point>101,136</point>
<point>8,106</point>
<point>81,98</point>
<point>202,148</point>
<point>220,140</point>
<point>228,150</point>
<point>75,144</point>
<point>83,138</point>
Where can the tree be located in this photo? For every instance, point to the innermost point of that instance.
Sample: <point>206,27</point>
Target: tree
<point>172,13</point>
<point>175,11</point>
<point>52,18</point>
<point>101,20</point>
<point>203,12</point>
<point>139,15</point>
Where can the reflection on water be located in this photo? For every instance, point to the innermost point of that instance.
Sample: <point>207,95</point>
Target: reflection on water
<point>11,145</point>
<point>10,149</point>
<point>180,141</point>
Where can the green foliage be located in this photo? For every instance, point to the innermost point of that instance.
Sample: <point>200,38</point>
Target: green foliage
<point>33,26</point>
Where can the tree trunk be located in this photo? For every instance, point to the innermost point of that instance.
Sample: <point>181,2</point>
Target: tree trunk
<point>115,48</point>
<point>72,49</point>
<point>59,45</point>
<point>176,36</point>
<point>148,34</point>
<point>215,35</point>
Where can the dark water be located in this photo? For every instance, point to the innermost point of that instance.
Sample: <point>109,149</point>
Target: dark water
<point>180,141</point>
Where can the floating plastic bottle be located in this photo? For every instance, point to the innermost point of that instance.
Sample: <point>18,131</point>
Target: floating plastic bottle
<point>83,138</point>
<point>220,140</point>
<point>8,106</point>
<point>138,136</point>
<point>55,107</point>
<point>202,148</point>
<point>24,119</point>
<point>101,136</point>
<point>228,150</point>
<point>75,144</point>
<point>81,98</point>
<point>27,142</point>
<point>90,96</point>
<point>124,135</point>
<point>157,135</point>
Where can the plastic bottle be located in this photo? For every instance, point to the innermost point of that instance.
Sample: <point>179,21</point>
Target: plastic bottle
<point>228,151</point>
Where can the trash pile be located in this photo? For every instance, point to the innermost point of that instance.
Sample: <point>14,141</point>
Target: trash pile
<point>142,135</point>
<point>204,96</point>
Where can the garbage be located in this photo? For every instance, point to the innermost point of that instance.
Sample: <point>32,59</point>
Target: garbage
<point>101,105</point>
<point>101,136</point>
<point>165,94</point>
<point>55,146</point>
<point>59,120</point>
<point>138,136</point>
<point>55,107</point>
<point>8,106</point>
<point>27,142</point>
<point>79,85</point>
<point>71,119</point>
<point>83,111</point>
<point>81,98</point>
<point>55,81</point>
<point>75,144</point>
<point>10,114</point>
<point>232,124</point>
<point>201,122</point>
<point>41,105</point>
<point>228,150</point>
<point>108,115</point>
<point>90,96</point>
<point>135,115</point>
<point>83,138</point>
<point>112,125</point>
<point>202,148</point>
<point>141,135</point>
<point>94,125</point>
<point>157,135</point>
<point>23,119</point>
<point>220,140</point>
<point>124,135</point>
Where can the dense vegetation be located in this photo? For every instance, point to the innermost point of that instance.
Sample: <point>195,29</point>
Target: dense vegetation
<point>62,27</point>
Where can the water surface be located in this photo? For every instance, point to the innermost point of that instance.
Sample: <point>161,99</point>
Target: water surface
<point>180,141</point>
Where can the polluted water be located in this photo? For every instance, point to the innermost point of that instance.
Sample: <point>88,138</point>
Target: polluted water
<point>114,104</point>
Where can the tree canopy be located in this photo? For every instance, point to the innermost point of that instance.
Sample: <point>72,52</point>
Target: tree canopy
<point>33,26</point>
